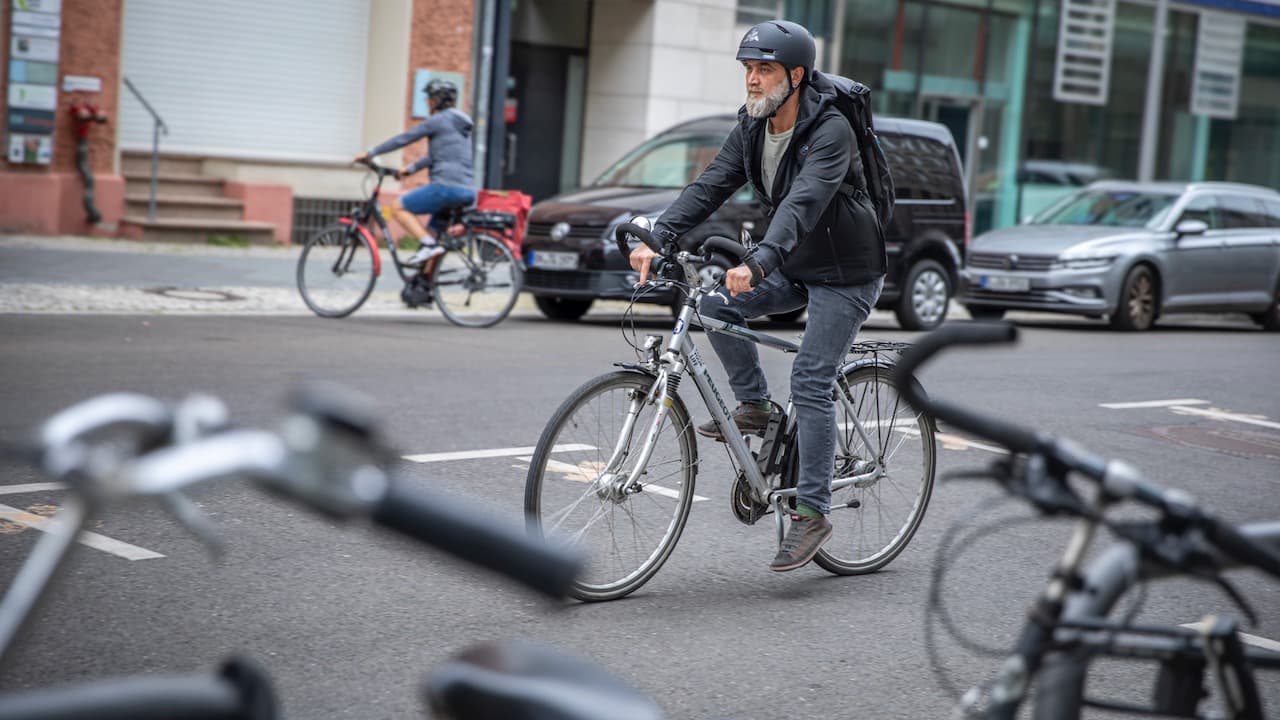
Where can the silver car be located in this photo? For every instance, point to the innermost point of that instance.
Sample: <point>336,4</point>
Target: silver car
<point>1132,252</point>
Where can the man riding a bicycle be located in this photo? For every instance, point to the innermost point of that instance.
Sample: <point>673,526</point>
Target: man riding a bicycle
<point>823,249</point>
<point>448,157</point>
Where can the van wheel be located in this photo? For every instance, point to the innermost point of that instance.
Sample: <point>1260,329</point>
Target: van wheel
<point>558,308</point>
<point>1270,320</point>
<point>925,296</point>
<point>1136,309</point>
<point>985,313</point>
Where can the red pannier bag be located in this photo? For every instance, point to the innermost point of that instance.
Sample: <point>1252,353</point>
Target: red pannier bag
<point>504,214</point>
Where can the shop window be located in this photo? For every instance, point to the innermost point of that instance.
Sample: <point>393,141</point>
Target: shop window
<point>751,12</point>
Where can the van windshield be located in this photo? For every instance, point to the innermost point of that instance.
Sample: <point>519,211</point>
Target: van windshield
<point>1119,208</point>
<point>663,162</point>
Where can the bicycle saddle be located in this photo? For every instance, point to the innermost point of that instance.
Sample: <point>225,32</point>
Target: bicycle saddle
<point>522,680</point>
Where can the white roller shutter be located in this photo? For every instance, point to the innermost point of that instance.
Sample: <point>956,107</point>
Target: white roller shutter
<point>252,78</point>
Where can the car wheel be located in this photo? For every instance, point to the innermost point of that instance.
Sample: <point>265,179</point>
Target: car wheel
<point>925,296</point>
<point>1136,309</point>
<point>985,313</point>
<point>1270,320</point>
<point>558,308</point>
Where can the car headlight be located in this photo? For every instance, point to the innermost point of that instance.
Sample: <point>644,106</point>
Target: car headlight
<point>1084,263</point>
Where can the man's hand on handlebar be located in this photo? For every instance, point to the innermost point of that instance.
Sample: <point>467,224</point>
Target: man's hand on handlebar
<point>738,280</point>
<point>641,259</point>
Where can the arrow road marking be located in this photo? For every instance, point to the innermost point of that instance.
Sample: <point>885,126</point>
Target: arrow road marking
<point>1151,404</point>
<point>493,453</point>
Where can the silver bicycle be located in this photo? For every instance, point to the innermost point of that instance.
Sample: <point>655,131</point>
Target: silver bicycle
<point>614,469</point>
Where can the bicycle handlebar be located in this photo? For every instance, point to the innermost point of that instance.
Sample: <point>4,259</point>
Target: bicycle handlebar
<point>1119,479</point>
<point>241,691</point>
<point>734,250</point>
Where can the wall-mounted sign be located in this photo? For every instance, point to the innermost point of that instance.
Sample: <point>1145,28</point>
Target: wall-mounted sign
<point>33,80</point>
<point>1215,84</point>
<point>33,97</point>
<point>1082,73</point>
<point>22,47</point>
<point>81,83</point>
<point>420,79</point>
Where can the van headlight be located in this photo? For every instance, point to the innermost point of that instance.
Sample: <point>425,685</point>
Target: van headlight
<point>1083,263</point>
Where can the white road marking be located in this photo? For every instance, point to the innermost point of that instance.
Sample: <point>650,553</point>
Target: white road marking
<point>577,474</point>
<point>93,540</point>
<point>493,453</point>
<point>30,488</point>
<point>1151,404</point>
<point>1223,415</point>
<point>1254,640</point>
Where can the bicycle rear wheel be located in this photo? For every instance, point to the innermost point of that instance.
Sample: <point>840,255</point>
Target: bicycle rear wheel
<point>477,282</point>
<point>875,519</point>
<point>628,526</point>
<point>336,271</point>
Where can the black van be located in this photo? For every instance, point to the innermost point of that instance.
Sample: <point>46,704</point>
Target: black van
<point>571,260</point>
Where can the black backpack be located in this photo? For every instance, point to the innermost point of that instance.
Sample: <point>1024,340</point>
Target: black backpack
<point>853,100</point>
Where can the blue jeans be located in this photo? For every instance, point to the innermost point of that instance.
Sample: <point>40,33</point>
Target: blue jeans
<point>431,198</point>
<point>836,312</point>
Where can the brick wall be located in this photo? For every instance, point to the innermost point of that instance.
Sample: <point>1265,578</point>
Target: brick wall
<point>440,39</point>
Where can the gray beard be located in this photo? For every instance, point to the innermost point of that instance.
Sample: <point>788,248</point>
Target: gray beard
<point>767,105</point>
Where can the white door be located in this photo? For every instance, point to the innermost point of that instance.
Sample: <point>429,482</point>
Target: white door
<point>272,79</point>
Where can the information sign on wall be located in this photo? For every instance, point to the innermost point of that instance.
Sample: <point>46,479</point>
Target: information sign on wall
<point>1082,73</point>
<point>33,80</point>
<point>1215,84</point>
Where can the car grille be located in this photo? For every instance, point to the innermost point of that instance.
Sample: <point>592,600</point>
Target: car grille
<point>566,280</point>
<point>1029,296</point>
<point>1002,261</point>
<point>577,231</point>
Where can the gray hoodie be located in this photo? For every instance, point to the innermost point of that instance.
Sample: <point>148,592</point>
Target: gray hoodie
<point>448,148</point>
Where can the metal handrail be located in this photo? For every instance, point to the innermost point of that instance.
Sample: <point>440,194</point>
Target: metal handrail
<point>157,127</point>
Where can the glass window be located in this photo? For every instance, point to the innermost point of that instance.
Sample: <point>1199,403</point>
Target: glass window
<point>1247,149</point>
<point>751,12</point>
<point>1241,212</point>
<point>663,163</point>
<point>1121,208</point>
<point>1271,208</point>
<point>1205,209</point>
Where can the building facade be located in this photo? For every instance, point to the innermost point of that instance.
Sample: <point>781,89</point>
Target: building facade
<point>265,103</point>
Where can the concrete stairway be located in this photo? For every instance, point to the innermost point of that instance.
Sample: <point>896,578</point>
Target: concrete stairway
<point>190,207</point>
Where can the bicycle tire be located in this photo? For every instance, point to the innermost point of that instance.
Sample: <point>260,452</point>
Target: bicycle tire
<point>552,502</point>
<point>336,271</point>
<point>905,449</point>
<point>477,282</point>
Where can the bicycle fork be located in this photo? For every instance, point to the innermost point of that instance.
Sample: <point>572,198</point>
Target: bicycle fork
<point>614,483</point>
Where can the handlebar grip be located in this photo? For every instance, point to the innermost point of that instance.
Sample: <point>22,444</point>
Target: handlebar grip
<point>736,251</point>
<point>479,539</point>
<point>190,697</point>
<point>1241,547</point>
<point>1007,434</point>
<point>622,231</point>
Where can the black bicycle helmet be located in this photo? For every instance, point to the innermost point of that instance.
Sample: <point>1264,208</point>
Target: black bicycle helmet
<point>444,92</point>
<point>783,42</point>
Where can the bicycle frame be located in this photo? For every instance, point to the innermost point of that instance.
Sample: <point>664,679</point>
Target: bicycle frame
<point>681,354</point>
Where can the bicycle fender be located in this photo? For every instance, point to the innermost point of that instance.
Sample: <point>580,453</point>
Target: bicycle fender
<point>373,244</point>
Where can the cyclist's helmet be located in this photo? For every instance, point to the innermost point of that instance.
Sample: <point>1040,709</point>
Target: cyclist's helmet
<point>444,92</point>
<point>783,42</point>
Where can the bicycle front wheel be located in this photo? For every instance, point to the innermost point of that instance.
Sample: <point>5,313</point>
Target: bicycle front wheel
<point>477,282</point>
<point>628,521</point>
<point>336,271</point>
<point>876,517</point>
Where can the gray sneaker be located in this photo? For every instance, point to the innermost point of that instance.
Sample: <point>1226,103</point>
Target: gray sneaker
<point>425,253</point>
<point>748,418</point>
<point>803,539</point>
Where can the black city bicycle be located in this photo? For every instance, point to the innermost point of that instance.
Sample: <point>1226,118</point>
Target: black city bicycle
<point>614,470</point>
<point>117,449</point>
<point>1069,626</point>
<point>475,283</point>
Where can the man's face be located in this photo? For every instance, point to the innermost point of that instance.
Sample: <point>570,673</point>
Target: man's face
<point>766,86</point>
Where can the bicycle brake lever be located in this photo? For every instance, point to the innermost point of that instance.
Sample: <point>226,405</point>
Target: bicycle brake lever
<point>190,516</point>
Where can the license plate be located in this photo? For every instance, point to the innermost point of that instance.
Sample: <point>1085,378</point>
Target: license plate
<point>551,260</point>
<point>1001,283</point>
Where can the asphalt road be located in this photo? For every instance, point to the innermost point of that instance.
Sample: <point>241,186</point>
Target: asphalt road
<point>349,618</point>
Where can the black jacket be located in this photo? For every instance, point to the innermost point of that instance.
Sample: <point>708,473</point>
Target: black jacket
<point>823,226</point>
